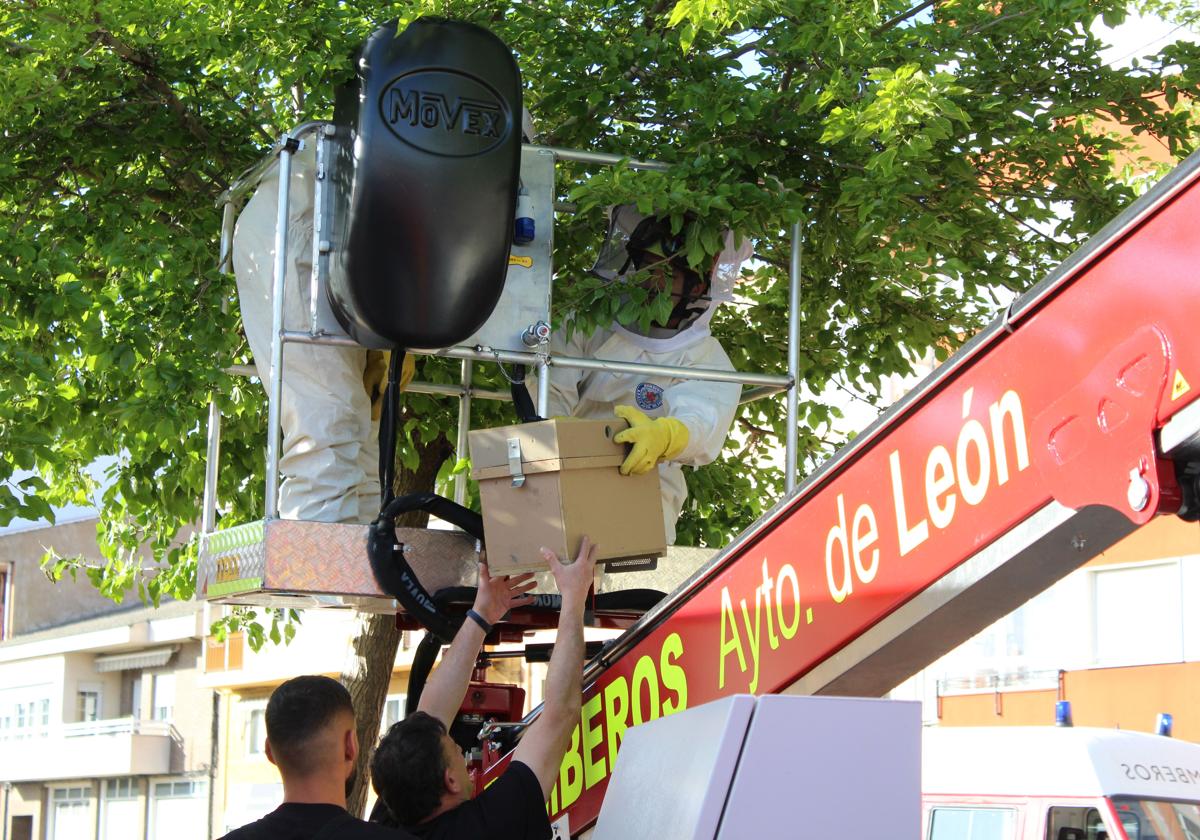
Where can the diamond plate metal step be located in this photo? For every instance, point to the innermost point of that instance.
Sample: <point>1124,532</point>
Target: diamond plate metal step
<point>301,565</point>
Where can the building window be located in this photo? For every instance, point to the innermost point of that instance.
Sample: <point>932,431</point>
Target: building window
<point>132,692</point>
<point>88,703</point>
<point>178,790</point>
<point>256,730</point>
<point>393,712</point>
<point>5,599</point>
<point>1138,614</point>
<point>23,714</point>
<point>120,809</point>
<point>178,810</point>
<point>121,789</point>
<point>225,656</point>
<point>972,824</point>
<point>164,696</point>
<point>69,814</point>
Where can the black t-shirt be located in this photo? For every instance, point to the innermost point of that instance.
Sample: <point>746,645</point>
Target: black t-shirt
<point>304,821</point>
<point>511,808</point>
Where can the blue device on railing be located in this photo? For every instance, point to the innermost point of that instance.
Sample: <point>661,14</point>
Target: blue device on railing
<point>524,230</point>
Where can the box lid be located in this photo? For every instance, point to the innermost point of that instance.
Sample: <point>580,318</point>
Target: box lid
<point>546,446</point>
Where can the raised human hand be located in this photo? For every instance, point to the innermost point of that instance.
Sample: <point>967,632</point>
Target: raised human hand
<point>574,579</point>
<point>497,595</point>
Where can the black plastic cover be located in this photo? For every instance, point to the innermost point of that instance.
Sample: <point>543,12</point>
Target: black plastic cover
<point>425,184</point>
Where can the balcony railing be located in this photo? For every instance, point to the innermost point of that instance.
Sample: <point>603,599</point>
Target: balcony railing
<point>990,681</point>
<point>97,748</point>
<point>118,726</point>
<point>114,726</point>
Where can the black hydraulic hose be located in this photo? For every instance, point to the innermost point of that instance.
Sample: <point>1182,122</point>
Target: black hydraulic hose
<point>423,658</point>
<point>392,571</point>
<point>522,401</point>
<point>426,653</point>
<point>439,506</point>
<point>388,564</point>
<point>637,600</point>
<point>389,416</point>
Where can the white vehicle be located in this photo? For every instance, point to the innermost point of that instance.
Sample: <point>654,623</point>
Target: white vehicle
<point>1058,783</point>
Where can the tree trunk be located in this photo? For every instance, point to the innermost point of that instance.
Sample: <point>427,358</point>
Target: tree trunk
<point>367,678</point>
<point>370,671</point>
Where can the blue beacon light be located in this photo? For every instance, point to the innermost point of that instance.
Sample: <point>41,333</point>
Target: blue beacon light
<point>1164,723</point>
<point>523,227</point>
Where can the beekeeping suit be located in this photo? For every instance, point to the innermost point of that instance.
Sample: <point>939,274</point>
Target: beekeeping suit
<point>675,422</point>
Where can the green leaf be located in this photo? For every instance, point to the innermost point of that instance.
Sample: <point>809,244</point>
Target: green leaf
<point>883,161</point>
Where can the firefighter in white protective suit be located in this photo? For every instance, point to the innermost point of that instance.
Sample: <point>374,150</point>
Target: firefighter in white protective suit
<point>329,412</point>
<point>673,422</point>
<point>331,394</point>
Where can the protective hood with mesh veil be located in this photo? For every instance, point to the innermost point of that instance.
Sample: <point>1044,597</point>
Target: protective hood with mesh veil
<point>614,263</point>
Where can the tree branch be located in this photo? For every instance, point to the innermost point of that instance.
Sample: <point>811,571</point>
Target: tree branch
<point>629,75</point>
<point>650,21</point>
<point>649,24</point>
<point>740,51</point>
<point>868,398</point>
<point>786,81</point>
<point>254,124</point>
<point>1061,247</point>
<point>16,49</point>
<point>149,67</point>
<point>782,266</point>
<point>757,431</point>
<point>903,16</point>
<point>975,30</point>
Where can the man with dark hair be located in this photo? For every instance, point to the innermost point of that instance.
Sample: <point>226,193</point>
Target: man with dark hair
<point>310,738</point>
<point>420,773</point>
<point>416,760</point>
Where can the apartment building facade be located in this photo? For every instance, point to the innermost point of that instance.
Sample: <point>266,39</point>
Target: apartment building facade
<point>105,733</point>
<point>1119,638</point>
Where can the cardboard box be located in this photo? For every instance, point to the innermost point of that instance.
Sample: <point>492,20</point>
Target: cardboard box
<point>549,483</point>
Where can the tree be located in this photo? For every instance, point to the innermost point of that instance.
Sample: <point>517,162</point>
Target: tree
<point>927,148</point>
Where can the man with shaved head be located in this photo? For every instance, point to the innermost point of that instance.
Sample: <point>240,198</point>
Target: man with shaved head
<point>310,738</point>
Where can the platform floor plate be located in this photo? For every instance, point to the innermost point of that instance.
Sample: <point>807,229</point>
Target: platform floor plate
<point>300,565</point>
<point>287,563</point>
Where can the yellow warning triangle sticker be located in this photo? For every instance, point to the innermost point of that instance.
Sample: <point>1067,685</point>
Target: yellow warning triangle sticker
<point>1180,387</point>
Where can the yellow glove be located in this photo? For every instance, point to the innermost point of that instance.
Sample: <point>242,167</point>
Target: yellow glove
<point>375,376</point>
<point>660,439</point>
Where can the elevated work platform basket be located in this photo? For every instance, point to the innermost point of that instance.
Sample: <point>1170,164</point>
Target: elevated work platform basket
<point>296,564</point>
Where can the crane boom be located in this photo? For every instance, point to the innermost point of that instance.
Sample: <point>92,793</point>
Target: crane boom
<point>1048,437</point>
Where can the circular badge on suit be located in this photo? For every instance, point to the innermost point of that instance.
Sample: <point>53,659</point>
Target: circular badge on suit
<point>648,396</point>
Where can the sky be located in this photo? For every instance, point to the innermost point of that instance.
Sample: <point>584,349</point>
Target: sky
<point>1138,36</point>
